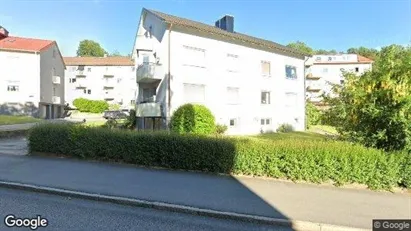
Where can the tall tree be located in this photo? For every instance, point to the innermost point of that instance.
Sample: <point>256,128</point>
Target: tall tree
<point>115,53</point>
<point>90,48</point>
<point>302,47</point>
<point>364,51</point>
<point>325,52</point>
<point>376,109</point>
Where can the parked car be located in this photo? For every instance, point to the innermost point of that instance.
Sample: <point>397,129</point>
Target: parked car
<point>116,114</point>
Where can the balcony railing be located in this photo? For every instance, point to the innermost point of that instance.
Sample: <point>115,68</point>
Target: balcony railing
<point>148,109</point>
<point>56,100</point>
<point>310,76</point>
<point>149,72</point>
<point>56,79</point>
<point>80,74</point>
<point>314,87</point>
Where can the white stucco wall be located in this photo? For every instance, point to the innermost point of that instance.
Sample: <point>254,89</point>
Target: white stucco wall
<point>123,82</point>
<point>49,60</point>
<point>23,70</point>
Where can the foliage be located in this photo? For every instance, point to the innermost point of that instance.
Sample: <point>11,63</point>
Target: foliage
<point>302,47</point>
<point>313,114</point>
<point>325,52</point>
<point>285,128</point>
<point>375,109</point>
<point>90,48</point>
<point>367,52</point>
<point>285,155</point>
<point>114,107</point>
<point>111,124</point>
<point>220,129</point>
<point>93,106</point>
<point>115,53</point>
<point>131,121</point>
<point>192,118</point>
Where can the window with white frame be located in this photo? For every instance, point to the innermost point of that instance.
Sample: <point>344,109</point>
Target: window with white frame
<point>232,63</point>
<point>265,68</point>
<point>233,122</point>
<point>193,56</point>
<point>265,97</point>
<point>233,95</point>
<point>290,72</point>
<point>325,70</point>
<point>80,68</point>
<point>194,93</point>
<point>72,80</point>
<point>12,88</point>
<point>265,121</point>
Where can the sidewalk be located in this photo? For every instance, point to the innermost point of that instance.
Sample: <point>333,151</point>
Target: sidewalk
<point>329,205</point>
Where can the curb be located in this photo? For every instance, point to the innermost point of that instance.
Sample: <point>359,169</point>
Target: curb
<point>296,225</point>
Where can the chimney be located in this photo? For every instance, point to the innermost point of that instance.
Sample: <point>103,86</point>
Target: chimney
<point>3,33</point>
<point>226,23</point>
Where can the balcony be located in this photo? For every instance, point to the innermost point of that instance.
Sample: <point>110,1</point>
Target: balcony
<point>310,76</point>
<point>109,84</point>
<point>313,87</point>
<point>149,73</point>
<point>56,99</point>
<point>80,85</point>
<point>144,43</point>
<point>80,74</point>
<point>148,109</point>
<point>56,79</point>
<point>109,95</point>
<point>108,74</point>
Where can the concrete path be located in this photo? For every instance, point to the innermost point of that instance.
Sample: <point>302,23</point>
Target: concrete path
<point>329,205</point>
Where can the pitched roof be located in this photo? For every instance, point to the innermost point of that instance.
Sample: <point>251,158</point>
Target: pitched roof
<point>24,44</point>
<point>233,36</point>
<point>99,61</point>
<point>362,59</point>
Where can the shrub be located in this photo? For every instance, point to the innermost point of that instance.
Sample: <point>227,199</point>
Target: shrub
<point>312,160</point>
<point>285,128</point>
<point>93,106</point>
<point>220,129</point>
<point>191,118</point>
<point>313,114</point>
<point>114,107</point>
<point>131,121</point>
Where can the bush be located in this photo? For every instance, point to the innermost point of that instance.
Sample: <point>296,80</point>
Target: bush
<point>195,119</point>
<point>285,128</point>
<point>93,106</point>
<point>131,121</point>
<point>313,114</point>
<point>312,160</point>
<point>220,129</point>
<point>114,107</point>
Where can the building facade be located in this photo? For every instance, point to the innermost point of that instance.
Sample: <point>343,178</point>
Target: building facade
<point>112,79</point>
<point>251,85</point>
<point>32,80</point>
<point>324,71</point>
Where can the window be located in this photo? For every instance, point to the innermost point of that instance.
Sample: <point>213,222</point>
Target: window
<point>265,97</point>
<point>265,121</point>
<point>89,69</point>
<point>330,58</point>
<point>89,91</point>
<point>85,91</point>
<point>72,80</point>
<point>291,72</point>
<point>194,56</point>
<point>118,80</point>
<point>73,68</point>
<point>342,81</point>
<point>233,95</point>
<point>194,93</point>
<point>342,69</point>
<point>12,88</point>
<point>80,68</point>
<point>265,68</point>
<point>233,122</point>
<point>232,63</point>
<point>148,93</point>
<point>325,70</point>
<point>318,59</point>
<point>357,69</point>
<point>132,102</point>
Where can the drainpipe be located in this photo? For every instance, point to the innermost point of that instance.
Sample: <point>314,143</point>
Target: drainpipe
<point>169,76</point>
<point>305,100</point>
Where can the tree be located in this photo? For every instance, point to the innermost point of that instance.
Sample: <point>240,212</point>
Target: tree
<point>367,52</point>
<point>192,118</point>
<point>90,48</point>
<point>302,47</point>
<point>375,109</point>
<point>325,52</point>
<point>115,53</point>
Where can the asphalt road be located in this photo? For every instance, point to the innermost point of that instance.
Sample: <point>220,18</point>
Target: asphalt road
<point>65,213</point>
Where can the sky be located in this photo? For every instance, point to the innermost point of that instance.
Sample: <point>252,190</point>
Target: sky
<point>322,24</point>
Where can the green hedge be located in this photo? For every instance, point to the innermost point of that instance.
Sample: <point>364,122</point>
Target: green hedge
<point>93,106</point>
<point>296,159</point>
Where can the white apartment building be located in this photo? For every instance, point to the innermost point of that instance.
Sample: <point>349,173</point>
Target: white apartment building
<point>250,84</point>
<point>32,77</point>
<point>101,78</point>
<point>324,71</point>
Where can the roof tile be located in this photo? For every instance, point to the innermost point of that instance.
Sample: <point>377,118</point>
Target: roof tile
<point>24,44</point>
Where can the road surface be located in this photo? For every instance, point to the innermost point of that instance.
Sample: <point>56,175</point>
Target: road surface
<point>64,213</point>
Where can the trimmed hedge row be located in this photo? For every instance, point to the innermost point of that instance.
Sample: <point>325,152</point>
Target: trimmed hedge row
<point>309,160</point>
<point>93,106</point>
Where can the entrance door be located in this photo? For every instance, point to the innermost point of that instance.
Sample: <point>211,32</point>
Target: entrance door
<point>47,111</point>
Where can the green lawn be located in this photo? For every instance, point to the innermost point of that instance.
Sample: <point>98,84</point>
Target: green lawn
<point>95,123</point>
<point>293,135</point>
<point>323,128</point>
<point>9,119</point>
